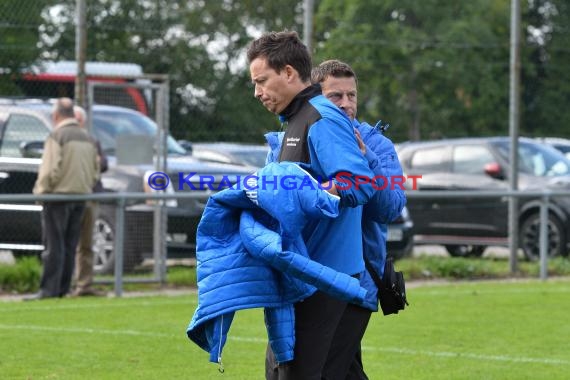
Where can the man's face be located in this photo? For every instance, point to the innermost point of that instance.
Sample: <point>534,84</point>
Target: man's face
<point>271,88</point>
<point>342,92</point>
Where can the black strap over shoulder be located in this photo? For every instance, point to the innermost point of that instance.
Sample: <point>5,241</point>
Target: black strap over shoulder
<point>391,288</point>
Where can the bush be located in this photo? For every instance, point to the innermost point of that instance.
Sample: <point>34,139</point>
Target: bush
<point>23,277</point>
<point>431,267</point>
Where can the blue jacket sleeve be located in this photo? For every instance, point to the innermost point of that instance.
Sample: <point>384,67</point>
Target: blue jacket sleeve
<point>389,199</point>
<point>335,155</point>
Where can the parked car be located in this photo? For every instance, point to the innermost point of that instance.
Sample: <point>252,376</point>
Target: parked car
<point>400,239</point>
<point>24,127</point>
<point>253,155</point>
<point>400,231</point>
<point>467,225</point>
<point>561,144</point>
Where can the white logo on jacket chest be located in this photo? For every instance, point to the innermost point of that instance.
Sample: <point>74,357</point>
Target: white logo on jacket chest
<point>292,141</point>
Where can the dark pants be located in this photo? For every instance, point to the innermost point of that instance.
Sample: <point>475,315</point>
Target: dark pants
<point>344,361</point>
<point>316,321</point>
<point>61,226</point>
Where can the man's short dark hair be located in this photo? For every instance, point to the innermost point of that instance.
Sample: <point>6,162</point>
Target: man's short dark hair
<point>281,49</point>
<point>332,68</point>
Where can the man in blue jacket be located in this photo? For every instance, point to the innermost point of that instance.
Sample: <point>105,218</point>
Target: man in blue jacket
<point>320,138</point>
<point>339,85</point>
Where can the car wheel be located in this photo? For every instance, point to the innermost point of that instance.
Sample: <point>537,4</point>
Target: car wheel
<point>104,245</point>
<point>530,237</point>
<point>465,250</point>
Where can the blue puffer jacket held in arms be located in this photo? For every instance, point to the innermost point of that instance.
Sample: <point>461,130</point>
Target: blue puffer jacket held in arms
<point>251,254</point>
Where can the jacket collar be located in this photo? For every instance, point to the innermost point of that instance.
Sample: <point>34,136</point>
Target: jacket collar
<point>299,100</point>
<point>67,122</point>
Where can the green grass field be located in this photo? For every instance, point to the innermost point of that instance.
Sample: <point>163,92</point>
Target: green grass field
<point>475,330</point>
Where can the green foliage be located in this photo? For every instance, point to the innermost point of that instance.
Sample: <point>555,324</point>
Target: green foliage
<point>20,42</point>
<point>199,44</point>
<point>545,110</point>
<point>430,68</point>
<point>23,277</point>
<point>434,267</point>
<point>182,276</point>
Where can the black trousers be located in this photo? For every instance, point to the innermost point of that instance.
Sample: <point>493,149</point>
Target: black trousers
<point>316,321</point>
<point>61,225</point>
<point>344,361</point>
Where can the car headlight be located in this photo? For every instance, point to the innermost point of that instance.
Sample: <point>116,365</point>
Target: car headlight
<point>158,182</point>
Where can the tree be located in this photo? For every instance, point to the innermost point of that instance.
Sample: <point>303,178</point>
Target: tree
<point>19,38</point>
<point>199,44</point>
<point>547,113</point>
<point>431,68</point>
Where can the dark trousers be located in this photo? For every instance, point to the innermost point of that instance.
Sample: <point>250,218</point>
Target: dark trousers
<point>316,321</point>
<point>61,226</point>
<point>344,361</point>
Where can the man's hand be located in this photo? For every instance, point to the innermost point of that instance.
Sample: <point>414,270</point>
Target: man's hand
<point>330,187</point>
<point>361,144</point>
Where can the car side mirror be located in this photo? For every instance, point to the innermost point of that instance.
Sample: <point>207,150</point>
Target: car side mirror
<point>494,170</point>
<point>32,149</point>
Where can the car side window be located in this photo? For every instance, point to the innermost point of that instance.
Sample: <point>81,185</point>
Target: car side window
<point>429,160</point>
<point>19,129</point>
<point>471,159</point>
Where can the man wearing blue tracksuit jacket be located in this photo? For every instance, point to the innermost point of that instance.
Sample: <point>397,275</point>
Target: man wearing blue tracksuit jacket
<point>339,85</point>
<point>319,137</point>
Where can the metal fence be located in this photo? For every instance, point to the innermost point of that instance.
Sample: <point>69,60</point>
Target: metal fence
<point>133,149</point>
<point>124,224</point>
<point>124,254</point>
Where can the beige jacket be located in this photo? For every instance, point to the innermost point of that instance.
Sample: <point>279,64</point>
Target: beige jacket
<point>69,162</point>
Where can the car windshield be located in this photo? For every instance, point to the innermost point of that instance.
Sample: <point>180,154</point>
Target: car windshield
<point>538,160</point>
<point>254,157</point>
<point>108,125</point>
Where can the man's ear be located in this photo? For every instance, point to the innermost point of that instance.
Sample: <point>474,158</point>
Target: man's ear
<point>290,73</point>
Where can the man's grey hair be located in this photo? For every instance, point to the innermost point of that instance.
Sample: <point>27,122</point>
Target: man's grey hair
<point>64,108</point>
<point>80,114</point>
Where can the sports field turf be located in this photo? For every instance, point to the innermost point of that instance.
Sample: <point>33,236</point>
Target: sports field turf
<point>475,330</point>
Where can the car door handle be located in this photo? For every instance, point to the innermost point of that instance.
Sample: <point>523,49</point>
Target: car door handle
<point>4,175</point>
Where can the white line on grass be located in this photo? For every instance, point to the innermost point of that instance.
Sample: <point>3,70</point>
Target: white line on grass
<point>88,331</point>
<point>403,351</point>
<point>64,305</point>
<point>443,354</point>
<point>459,355</point>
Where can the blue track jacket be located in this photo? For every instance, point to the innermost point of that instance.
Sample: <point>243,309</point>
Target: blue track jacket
<point>251,254</point>
<point>385,206</point>
<point>320,137</point>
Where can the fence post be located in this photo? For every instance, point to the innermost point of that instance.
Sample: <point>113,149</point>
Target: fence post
<point>119,242</point>
<point>543,237</point>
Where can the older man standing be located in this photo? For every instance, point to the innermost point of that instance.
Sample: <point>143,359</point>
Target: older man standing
<point>84,256</point>
<point>69,166</point>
